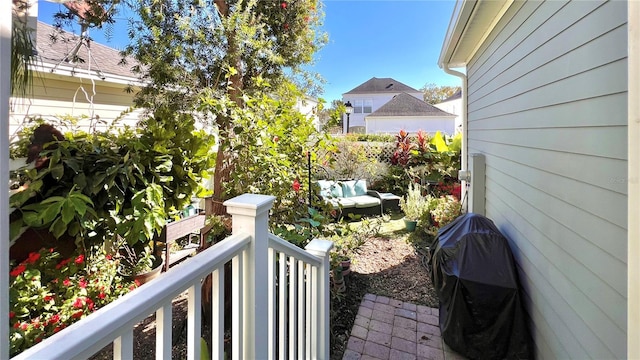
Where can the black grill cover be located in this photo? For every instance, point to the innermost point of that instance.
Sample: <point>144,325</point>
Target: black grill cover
<point>474,275</point>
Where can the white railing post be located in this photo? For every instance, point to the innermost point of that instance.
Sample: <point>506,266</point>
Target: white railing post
<point>6,12</point>
<point>250,214</point>
<point>321,249</point>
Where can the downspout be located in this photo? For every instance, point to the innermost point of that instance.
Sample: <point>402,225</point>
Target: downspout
<point>463,149</point>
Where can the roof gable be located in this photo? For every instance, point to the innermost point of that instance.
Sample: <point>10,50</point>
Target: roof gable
<point>381,85</point>
<point>404,104</point>
<point>101,60</point>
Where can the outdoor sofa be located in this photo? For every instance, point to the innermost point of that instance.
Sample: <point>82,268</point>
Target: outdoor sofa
<point>353,197</point>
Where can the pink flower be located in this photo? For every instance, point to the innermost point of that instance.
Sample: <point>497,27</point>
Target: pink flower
<point>283,5</point>
<point>78,303</point>
<point>82,283</point>
<point>66,282</point>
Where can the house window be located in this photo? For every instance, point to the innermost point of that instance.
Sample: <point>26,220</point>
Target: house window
<point>363,106</point>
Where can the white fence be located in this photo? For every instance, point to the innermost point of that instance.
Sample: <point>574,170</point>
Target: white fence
<point>280,299</point>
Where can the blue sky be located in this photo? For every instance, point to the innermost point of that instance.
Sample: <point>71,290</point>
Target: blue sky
<point>367,38</point>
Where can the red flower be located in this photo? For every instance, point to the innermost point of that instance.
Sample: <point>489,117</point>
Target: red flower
<point>33,257</point>
<point>296,185</point>
<point>286,26</point>
<point>109,257</point>
<point>102,295</point>
<point>62,263</point>
<point>137,282</point>
<point>78,303</point>
<point>58,328</point>
<point>54,319</point>
<point>77,314</point>
<point>90,304</point>
<point>11,314</point>
<point>18,270</point>
<point>16,325</point>
<point>82,283</point>
<point>80,259</point>
<point>48,298</point>
<point>283,5</point>
<point>24,326</point>
<point>66,282</point>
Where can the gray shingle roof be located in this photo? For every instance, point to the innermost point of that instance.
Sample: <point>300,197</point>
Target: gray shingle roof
<point>381,85</point>
<point>406,105</point>
<point>102,59</point>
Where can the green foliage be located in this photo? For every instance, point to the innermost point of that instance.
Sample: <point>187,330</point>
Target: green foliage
<point>370,137</point>
<point>351,160</point>
<point>48,293</point>
<point>97,186</point>
<point>414,204</point>
<point>23,56</point>
<point>269,142</point>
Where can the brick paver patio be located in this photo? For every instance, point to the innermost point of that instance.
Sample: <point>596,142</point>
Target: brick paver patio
<point>391,329</point>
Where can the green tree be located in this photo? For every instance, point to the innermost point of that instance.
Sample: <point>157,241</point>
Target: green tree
<point>194,51</point>
<point>332,115</point>
<point>434,94</point>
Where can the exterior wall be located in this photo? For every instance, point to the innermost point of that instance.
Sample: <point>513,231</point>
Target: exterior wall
<point>547,100</point>
<point>309,108</point>
<point>392,125</point>
<point>53,97</point>
<point>378,101</point>
<point>453,107</point>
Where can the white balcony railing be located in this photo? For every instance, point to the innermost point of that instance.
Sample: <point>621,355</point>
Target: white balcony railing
<point>280,296</point>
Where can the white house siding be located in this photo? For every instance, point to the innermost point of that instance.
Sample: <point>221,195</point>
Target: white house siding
<point>453,107</point>
<point>54,97</point>
<point>392,125</point>
<point>547,100</point>
<point>377,101</point>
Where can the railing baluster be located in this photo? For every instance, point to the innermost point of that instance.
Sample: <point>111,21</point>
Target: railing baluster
<point>282,301</point>
<point>307,333</point>
<point>314,312</point>
<point>194,296</point>
<point>217,311</point>
<point>123,346</point>
<point>293,301</point>
<point>272,304</point>
<point>237,306</point>
<point>301,308</point>
<point>163,332</point>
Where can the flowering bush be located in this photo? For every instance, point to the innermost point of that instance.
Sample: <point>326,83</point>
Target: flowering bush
<point>447,209</point>
<point>48,293</point>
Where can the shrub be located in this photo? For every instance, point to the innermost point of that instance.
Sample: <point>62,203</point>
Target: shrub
<point>48,293</point>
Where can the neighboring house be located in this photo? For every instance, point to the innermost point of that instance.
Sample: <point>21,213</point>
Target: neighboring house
<point>547,86</point>
<point>93,88</point>
<point>375,93</point>
<point>453,105</point>
<point>309,108</point>
<point>405,112</point>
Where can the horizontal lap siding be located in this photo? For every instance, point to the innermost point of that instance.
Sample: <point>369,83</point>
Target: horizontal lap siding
<point>547,107</point>
<point>55,98</point>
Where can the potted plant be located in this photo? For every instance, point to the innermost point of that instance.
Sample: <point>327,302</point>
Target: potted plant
<point>414,205</point>
<point>139,262</point>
